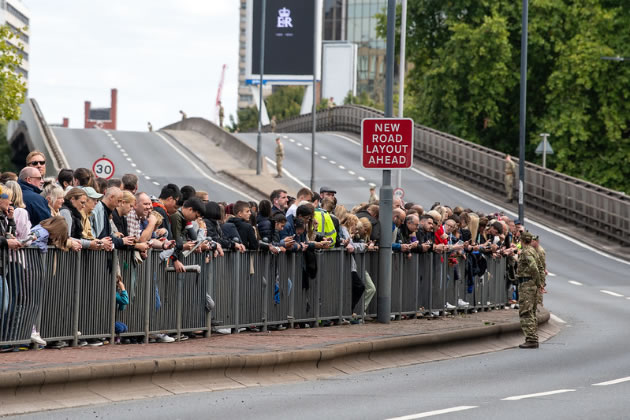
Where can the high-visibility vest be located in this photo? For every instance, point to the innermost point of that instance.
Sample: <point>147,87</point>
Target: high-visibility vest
<point>327,227</point>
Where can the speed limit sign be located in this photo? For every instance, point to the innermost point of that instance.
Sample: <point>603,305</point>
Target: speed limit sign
<point>103,168</point>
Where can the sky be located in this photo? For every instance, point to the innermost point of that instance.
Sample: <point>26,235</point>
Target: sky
<point>161,55</point>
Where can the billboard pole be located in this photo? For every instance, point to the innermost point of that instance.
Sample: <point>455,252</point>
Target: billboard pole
<point>523,113</point>
<point>384,294</point>
<point>401,73</point>
<point>313,111</point>
<point>260,90</point>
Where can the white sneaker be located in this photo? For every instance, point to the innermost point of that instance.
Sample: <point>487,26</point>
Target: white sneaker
<point>462,303</point>
<point>224,330</point>
<point>95,343</point>
<point>449,307</point>
<point>37,339</point>
<point>435,313</point>
<point>163,338</point>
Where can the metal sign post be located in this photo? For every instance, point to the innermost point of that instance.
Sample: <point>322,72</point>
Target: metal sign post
<point>523,113</point>
<point>384,292</point>
<point>260,89</point>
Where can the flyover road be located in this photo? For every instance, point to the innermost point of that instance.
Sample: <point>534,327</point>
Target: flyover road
<point>581,373</point>
<point>154,157</point>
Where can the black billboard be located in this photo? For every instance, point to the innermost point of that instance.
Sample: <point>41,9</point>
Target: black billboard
<point>289,34</point>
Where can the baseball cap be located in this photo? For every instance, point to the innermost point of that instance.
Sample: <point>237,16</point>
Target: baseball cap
<point>327,189</point>
<point>91,192</point>
<point>517,222</point>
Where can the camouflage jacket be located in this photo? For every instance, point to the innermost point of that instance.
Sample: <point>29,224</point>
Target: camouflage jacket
<point>528,265</point>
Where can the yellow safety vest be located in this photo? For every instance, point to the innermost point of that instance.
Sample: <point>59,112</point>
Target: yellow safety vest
<point>327,227</point>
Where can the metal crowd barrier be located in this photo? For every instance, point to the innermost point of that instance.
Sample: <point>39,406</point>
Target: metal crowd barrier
<point>576,201</point>
<point>72,296</point>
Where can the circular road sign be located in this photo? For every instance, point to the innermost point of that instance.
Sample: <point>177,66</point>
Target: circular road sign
<point>103,168</point>
<point>399,193</point>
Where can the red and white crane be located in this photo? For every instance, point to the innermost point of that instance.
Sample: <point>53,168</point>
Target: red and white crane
<point>217,104</point>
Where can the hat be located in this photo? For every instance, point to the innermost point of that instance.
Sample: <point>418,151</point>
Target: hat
<point>526,236</point>
<point>327,189</point>
<point>535,238</point>
<point>91,192</point>
<point>3,195</point>
<point>517,222</point>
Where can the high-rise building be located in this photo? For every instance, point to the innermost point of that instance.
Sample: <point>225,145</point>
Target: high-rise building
<point>343,20</point>
<point>16,15</point>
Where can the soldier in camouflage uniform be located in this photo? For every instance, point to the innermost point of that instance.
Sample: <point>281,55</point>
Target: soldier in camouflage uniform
<point>529,281</point>
<point>542,265</point>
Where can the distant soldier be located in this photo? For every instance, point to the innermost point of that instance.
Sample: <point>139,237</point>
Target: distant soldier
<point>279,156</point>
<point>183,114</point>
<point>273,124</point>
<point>150,126</point>
<point>221,114</point>
<point>373,198</point>
<point>529,282</point>
<point>542,266</point>
<point>510,168</point>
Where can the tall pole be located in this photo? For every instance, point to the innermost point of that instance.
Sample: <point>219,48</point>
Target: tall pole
<point>384,295</point>
<point>260,90</point>
<point>401,73</point>
<point>544,151</point>
<point>521,154</point>
<point>314,109</point>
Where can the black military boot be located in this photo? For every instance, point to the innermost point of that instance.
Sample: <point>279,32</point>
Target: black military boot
<point>529,345</point>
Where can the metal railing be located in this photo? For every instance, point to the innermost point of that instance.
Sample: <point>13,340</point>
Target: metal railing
<point>558,196</point>
<point>71,296</point>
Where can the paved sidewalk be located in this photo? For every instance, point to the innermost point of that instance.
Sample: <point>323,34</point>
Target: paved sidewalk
<point>248,343</point>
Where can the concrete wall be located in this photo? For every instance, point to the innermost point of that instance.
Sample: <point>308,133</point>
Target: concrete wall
<point>231,144</point>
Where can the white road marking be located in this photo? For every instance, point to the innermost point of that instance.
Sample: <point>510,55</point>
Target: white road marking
<point>317,153</point>
<point>608,292</point>
<point>201,171</point>
<point>129,159</point>
<point>558,319</point>
<point>323,157</point>
<point>371,184</point>
<point>361,178</point>
<point>333,162</point>
<point>551,274</point>
<point>125,154</point>
<point>119,146</point>
<point>342,167</point>
<point>347,139</point>
<point>147,177</point>
<point>575,283</point>
<point>156,183</point>
<point>613,382</point>
<point>540,394</point>
<point>434,413</point>
<point>352,172</point>
<point>133,165</point>
<point>299,144</point>
<point>628,298</point>
<point>122,150</point>
<point>139,171</point>
<point>292,140</point>
<point>287,173</point>
<point>307,148</point>
<point>285,137</point>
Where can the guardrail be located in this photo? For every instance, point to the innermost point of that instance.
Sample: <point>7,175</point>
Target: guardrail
<point>72,296</point>
<point>560,196</point>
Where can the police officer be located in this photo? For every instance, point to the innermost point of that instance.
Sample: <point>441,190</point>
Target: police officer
<point>529,281</point>
<point>510,168</point>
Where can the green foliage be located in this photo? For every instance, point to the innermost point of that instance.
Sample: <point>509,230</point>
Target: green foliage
<point>12,85</point>
<point>285,102</point>
<point>247,119</point>
<point>466,71</point>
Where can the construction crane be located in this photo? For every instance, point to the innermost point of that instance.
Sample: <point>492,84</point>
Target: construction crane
<point>217,104</point>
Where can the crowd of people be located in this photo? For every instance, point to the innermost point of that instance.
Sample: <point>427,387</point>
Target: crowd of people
<point>77,211</point>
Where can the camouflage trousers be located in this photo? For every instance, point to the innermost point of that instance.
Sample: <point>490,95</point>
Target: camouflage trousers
<point>509,186</point>
<point>527,303</point>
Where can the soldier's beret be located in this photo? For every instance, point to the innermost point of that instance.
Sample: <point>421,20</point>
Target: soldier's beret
<point>527,236</point>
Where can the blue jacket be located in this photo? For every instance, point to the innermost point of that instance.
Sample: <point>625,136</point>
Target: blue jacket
<point>36,205</point>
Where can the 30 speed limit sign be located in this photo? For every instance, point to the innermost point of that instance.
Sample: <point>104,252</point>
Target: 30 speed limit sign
<point>103,168</point>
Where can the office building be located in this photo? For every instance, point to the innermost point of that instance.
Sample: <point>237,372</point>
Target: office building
<point>16,15</point>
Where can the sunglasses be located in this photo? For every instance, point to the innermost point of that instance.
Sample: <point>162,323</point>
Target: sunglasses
<point>37,162</point>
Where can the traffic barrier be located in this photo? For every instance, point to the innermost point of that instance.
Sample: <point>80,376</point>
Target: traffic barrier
<point>558,196</point>
<point>72,296</point>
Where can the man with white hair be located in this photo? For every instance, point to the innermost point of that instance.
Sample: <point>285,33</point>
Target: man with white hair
<point>30,180</point>
<point>111,199</point>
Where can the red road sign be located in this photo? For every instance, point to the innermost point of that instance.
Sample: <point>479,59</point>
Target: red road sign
<point>103,168</point>
<point>387,143</point>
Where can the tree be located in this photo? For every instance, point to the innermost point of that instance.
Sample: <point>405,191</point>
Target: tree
<point>12,85</point>
<point>285,102</point>
<point>466,72</point>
